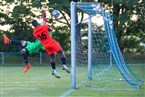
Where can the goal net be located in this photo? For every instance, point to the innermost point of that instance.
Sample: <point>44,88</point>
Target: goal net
<point>96,60</point>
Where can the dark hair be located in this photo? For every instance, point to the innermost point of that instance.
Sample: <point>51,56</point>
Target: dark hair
<point>35,23</point>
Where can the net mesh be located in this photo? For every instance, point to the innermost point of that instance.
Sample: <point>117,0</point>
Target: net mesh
<point>104,73</point>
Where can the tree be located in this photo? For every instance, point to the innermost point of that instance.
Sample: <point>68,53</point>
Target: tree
<point>125,26</point>
<point>19,19</point>
<point>128,30</point>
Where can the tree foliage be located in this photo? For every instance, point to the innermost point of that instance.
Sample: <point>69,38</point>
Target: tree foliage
<point>130,31</point>
<point>128,21</point>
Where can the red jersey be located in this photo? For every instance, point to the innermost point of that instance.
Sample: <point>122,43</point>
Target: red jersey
<point>41,33</point>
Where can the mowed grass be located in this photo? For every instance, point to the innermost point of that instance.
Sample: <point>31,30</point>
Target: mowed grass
<point>39,82</point>
<point>138,70</point>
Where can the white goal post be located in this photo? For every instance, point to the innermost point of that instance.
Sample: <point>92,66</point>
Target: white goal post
<point>73,38</point>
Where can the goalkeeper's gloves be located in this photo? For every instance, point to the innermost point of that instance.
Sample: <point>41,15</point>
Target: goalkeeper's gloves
<point>44,16</point>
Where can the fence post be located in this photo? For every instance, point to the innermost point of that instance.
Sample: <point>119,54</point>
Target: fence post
<point>40,57</point>
<point>3,58</point>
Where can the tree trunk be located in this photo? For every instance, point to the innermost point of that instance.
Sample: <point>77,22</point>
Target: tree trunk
<point>116,10</point>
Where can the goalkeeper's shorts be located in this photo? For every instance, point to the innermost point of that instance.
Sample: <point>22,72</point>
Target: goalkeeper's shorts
<point>34,47</point>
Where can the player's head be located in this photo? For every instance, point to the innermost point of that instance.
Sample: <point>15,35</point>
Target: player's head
<point>35,23</point>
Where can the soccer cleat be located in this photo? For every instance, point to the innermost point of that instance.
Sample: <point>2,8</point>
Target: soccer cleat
<point>54,72</point>
<point>6,39</point>
<point>26,68</point>
<point>65,68</point>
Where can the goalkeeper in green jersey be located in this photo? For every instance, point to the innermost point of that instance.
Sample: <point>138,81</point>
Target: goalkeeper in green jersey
<point>28,48</point>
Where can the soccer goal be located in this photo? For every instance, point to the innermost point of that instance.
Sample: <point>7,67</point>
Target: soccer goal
<point>96,59</point>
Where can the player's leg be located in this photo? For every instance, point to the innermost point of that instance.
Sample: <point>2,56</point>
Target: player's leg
<point>23,51</point>
<point>31,48</point>
<point>52,62</point>
<point>25,56</point>
<point>63,60</point>
<point>57,48</point>
<point>22,43</point>
<point>14,42</point>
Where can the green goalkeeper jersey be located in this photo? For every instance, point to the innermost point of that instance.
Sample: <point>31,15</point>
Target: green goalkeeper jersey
<point>35,47</point>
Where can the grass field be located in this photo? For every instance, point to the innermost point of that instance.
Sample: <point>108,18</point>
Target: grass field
<point>39,82</point>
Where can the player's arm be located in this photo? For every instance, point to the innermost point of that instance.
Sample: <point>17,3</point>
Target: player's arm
<point>45,20</point>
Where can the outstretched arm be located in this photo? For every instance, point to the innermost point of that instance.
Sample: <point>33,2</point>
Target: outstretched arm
<point>45,20</point>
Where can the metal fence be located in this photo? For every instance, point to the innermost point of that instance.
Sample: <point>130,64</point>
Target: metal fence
<point>4,53</point>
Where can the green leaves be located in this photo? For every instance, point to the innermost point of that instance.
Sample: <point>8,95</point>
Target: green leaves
<point>19,12</point>
<point>123,11</point>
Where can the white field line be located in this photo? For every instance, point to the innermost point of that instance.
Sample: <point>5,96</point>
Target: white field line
<point>67,93</point>
<point>71,90</point>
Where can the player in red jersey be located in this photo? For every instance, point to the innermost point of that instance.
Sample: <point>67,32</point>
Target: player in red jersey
<point>41,32</point>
